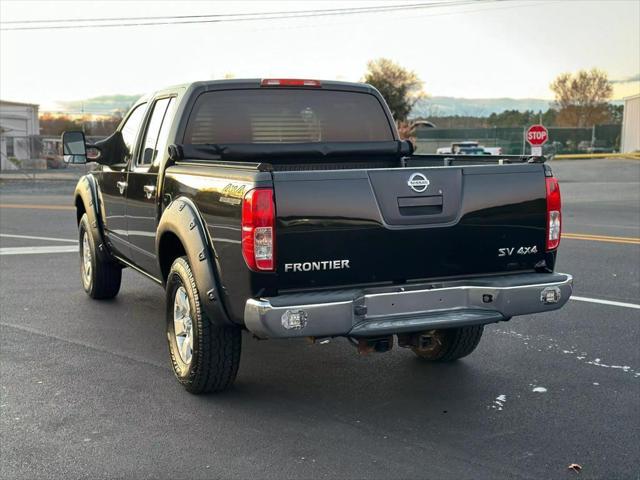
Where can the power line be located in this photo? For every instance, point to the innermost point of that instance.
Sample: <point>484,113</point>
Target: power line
<point>188,19</point>
<point>170,17</point>
<point>243,17</point>
<point>511,4</point>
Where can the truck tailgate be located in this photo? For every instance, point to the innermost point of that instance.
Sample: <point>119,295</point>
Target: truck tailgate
<point>352,227</point>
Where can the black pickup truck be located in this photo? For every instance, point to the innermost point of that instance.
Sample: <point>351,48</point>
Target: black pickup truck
<point>291,208</point>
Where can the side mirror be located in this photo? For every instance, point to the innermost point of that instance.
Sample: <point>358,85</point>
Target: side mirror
<point>73,147</point>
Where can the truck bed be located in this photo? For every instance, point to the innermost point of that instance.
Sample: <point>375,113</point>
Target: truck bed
<point>332,156</point>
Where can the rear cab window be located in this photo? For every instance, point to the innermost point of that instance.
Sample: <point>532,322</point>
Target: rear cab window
<point>286,116</point>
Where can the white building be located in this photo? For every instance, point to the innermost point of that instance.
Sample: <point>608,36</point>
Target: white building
<point>630,141</point>
<point>19,126</point>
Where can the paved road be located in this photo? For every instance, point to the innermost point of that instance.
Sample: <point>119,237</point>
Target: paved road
<point>87,390</point>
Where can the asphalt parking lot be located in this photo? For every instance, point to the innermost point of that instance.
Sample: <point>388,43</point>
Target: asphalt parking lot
<point>87,390</point>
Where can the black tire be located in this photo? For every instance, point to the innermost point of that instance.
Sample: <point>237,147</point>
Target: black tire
<point>104,278</point>
<point>215,352</point>
<point>451,344</point>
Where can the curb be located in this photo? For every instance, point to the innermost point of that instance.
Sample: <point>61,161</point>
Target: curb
<point>38,178</point>
<point>588,156</point>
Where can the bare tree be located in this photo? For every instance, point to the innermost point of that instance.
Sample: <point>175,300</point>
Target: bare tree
<point>581,98</point>
<point>400,87</point>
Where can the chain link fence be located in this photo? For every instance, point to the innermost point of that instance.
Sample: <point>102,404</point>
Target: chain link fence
<point>596,139</point>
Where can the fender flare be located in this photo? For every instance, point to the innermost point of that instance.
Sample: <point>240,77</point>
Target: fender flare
<point>87,192</point>
<point>182,218</point>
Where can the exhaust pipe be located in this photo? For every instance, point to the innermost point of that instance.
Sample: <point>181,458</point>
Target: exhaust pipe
<point>371,345</point>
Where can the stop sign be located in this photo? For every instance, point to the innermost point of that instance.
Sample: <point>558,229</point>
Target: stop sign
<point>537,135</point>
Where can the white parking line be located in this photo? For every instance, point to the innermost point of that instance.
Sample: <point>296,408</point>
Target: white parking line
<point>606,302</point>
<point>31,237</point>
<point>37,250</point>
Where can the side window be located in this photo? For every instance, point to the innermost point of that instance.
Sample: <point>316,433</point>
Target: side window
<point>130,131</point>
<point>154,134</point>
<point>163,137</point>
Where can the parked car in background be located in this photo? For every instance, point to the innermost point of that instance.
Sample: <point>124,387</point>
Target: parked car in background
<point>469,147</point>
<point>472,151</point>
<point>600,146</point>
<point>455,147</point>
<point>595,146</point>
<point>584,146</point>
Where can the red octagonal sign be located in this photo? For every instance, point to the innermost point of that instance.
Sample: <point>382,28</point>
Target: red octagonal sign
<point>537,135</point>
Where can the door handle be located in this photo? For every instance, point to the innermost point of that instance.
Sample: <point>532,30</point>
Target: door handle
<point>149,191</point>
<point>121,186</point>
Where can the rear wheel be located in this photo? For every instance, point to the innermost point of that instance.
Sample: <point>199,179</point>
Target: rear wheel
<point>450,344</point>
<point>205,357</point>
<point>100,279</point>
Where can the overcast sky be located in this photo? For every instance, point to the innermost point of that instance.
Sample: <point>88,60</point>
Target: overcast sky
<point>492,49</point>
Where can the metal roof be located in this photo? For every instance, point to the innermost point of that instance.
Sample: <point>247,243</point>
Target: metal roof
<point>23,104</point>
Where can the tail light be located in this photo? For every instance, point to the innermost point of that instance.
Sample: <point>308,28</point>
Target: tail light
<point>554,213</point>
<point>258,229</point>
<point>289,82</point>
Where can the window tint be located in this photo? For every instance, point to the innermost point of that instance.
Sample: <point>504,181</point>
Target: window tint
<point>130,130</point>
<point>149,151</point>
<point>287,116</point>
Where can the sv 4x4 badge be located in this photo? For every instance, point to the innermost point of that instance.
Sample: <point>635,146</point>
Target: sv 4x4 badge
<point>509,251</point>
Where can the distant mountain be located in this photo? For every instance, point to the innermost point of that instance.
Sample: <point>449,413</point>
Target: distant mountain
<point>105,104</point>
<point>475,107</point>
<point>430,107</point>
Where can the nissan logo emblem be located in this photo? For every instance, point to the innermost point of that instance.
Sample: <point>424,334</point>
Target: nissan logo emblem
<point>418,182</point>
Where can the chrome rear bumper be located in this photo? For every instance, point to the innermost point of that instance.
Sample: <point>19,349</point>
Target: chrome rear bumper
<point>402,309</point>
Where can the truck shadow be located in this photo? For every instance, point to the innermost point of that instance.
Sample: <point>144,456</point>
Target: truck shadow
<point>333,383</point>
